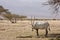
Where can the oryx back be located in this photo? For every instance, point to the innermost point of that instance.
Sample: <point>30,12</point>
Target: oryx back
<point>40,25</point>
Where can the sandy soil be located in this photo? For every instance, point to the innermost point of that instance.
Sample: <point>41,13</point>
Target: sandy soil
<point>22,30</point>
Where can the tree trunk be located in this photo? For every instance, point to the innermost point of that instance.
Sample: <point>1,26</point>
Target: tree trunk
<point>11,21</point>
<point>15,20</point>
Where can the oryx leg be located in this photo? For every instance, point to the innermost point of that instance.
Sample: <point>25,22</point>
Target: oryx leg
<point>46,32</point>
<point>37,32</point>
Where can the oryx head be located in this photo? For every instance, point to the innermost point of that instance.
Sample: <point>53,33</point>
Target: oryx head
<point>32,21</point>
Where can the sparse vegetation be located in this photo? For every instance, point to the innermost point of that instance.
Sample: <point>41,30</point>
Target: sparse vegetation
<point>11,31</point>
<point>23,30</point>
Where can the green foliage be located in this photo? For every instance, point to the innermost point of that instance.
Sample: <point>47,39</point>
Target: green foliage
<point>2,9</point>
<point>8,16</point>
<point>15,16</point>
<point>23,17</point>
<point>54,5</point>
<point>18,16</point>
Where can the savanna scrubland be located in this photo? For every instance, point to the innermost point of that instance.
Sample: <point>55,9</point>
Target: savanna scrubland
<point>22,30</point>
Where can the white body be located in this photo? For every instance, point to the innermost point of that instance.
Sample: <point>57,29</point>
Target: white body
<point>40,25</point>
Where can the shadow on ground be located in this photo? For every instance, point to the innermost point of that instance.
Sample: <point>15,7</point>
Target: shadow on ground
<point>41,36</point>
<point>54,35</point>
<point>24,37</point>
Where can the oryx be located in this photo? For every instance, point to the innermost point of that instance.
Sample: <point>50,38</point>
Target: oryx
<point>40,25</point>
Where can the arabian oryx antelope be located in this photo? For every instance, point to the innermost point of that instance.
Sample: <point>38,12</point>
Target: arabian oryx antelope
<point>40,25</point>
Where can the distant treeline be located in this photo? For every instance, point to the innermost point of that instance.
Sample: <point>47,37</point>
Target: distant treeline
<point>36,19</point>
<point>33,19</point>
<point>41,19</point>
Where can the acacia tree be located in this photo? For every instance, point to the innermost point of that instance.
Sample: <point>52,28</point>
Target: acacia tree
<point>2,9</point>
<point>55,5</point>
<point>13,17</point>
<point>8,16</point>
<point>16,17</point>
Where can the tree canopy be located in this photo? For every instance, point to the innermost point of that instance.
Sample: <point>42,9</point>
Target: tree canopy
<point>11,16</point>
<point>2,9</point>
<point>54,4</point>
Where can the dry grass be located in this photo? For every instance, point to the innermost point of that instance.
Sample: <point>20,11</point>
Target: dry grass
<point>22,31</point>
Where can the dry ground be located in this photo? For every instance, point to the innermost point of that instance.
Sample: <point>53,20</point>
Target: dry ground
<point>22,30</point>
